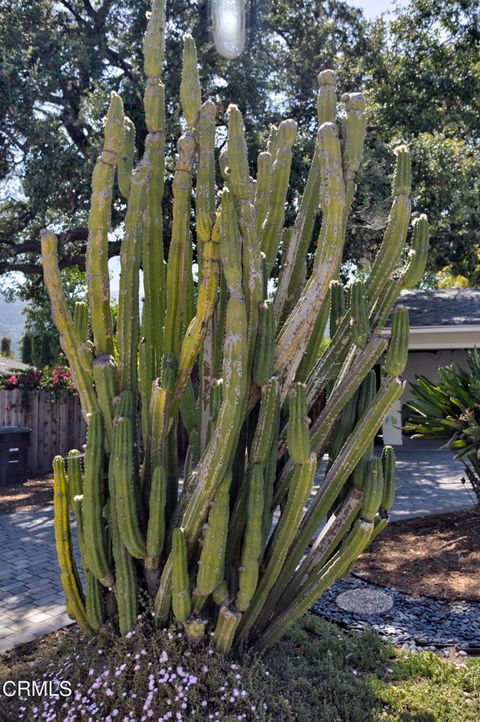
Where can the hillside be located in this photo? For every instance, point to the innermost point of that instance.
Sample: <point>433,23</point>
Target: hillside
<point>12,322</point>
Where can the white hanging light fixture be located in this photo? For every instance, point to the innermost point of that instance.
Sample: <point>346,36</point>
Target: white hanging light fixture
<point>229,27</point>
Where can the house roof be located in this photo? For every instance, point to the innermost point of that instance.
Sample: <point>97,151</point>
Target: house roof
<point>442,307</point>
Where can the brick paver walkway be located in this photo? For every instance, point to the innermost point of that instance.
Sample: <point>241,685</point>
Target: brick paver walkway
<point>31,596</point>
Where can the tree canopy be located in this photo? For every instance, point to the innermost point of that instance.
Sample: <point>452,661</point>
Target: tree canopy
<point>60,59</point>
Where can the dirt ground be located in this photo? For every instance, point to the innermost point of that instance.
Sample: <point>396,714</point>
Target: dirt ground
<point>26,496</point>
<point>436,556</point>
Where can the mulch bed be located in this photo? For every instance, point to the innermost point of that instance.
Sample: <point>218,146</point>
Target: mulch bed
<point>435,556</point>
<point>26,496</point>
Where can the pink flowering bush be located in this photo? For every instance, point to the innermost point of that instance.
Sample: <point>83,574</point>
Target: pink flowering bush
<point>56,377</point>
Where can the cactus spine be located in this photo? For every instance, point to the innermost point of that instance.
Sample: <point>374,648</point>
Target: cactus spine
<point>215,545</point>
<point>63,540</point>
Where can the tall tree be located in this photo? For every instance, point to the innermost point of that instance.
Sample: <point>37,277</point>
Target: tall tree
<point>423,85</point>
<point>54,55</point>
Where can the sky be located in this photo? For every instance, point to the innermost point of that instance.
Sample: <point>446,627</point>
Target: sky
<point>372,8</point>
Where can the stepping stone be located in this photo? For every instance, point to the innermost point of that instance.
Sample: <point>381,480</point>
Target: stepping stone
<point>365,601</point>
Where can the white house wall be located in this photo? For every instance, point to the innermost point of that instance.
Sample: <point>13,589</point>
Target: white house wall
<point>430,348</point>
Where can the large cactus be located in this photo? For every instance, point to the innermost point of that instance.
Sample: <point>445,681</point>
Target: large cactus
<point>227,548</point>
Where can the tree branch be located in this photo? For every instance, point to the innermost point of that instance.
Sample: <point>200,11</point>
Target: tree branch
<point>66,260</point>
<point>121,63</point>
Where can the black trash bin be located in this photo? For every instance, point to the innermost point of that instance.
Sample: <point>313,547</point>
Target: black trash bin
<point>14,442</point>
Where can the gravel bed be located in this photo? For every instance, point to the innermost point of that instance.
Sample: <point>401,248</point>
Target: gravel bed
<point>412,622</point>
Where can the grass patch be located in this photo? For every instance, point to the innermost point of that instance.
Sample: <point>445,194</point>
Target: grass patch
<point>318,673</point>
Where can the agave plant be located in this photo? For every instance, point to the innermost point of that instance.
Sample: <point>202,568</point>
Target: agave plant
<point>239,356</point>
<point>450,409</point>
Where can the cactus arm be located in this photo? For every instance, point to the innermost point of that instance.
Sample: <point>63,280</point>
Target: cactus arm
<point>396,231</point>
<point>238,174</point>
<point>152,256</point>
<point>253,540</point>
<point>130,257</point>
<point>208,236</point>
<point>125,579</point>
<point>263,188</point>
<point>366,395</point>
<point>281,540</point>
<point>63,541</point>
<point>239,183</point>
<point>197,328</point>
<point>126,586</point>
<point>326,96</point>
<point>177,257</point>
<point>80,321</point>
<point>353,132</point>
<point>397,354</point>
<point>265,346</point>
<point>105,377</point>
<point>259,453</point>
<point>156,525</point>
<point>95,611</point>
<point>99,221</point>
<point>125,496</point>
<point>298,437</point>
<point>227,623</point>
<point>264,431</point>
<point>359,314</point>
<point>75,490</point>
<point>205,189</point>
<point>63,321</point>
<point>337,306</point>
<point>273,224</point>
<point>410,277</point>
<point>178,272</point>
<point>93,503</point>
<point>154,40</point>
<point>181,600</point>
<point>190,91</point>
<point>304,222</point>
<point>297,329</point>
<point>418,253</point>
<point>270,474</point>
<point>388,461</point>
<point>206,364</point>
<point>153,261</point>
<point>126,157</point>
<point>212,558</point>
<point>373,490</point>
<point>352,547</point>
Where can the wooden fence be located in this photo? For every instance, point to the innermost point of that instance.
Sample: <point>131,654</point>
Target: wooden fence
<point>55,419</point>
